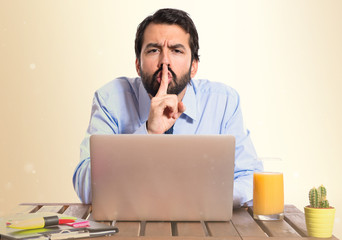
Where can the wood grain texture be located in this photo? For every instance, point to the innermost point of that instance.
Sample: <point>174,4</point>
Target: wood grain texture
<point>158,229</point>
<point>241,227</point>
<point>193,229</point>
<point>278,228</point>
<point>128,229</point>
<point>24,209</point>
<point>221,229</point>
<point>52,208</point>
<point>79,211</point>
<point>245,224</point>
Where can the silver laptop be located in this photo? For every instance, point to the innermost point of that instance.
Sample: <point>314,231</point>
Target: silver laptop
<point>162,177</point>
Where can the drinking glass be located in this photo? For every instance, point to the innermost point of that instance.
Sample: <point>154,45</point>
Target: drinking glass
<point>268,191</point>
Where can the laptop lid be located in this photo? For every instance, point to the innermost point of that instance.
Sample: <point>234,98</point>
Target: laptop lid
<point>162,177</point>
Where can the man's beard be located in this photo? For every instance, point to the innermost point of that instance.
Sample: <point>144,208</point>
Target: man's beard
<point>176,86</point>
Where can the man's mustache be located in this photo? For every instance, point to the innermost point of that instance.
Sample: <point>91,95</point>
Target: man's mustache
<point>174,76</point>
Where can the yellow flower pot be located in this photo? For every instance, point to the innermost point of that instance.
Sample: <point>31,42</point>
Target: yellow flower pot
<point>319,221</point>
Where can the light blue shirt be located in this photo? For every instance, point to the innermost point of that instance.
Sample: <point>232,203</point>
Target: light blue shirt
<point>122,107</point>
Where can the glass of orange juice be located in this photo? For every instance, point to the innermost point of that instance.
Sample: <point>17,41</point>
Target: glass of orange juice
<point>268,193</point>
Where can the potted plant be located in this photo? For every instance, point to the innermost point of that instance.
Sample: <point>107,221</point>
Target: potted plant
<point>319,216</point>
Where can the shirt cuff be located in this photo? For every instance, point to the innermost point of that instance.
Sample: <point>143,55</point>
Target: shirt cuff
<point>243,191</point>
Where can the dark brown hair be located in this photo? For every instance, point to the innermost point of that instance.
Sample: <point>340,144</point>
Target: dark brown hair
<point>169,16</point>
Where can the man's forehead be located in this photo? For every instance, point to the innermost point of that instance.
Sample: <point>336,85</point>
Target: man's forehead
<point>160,33</point>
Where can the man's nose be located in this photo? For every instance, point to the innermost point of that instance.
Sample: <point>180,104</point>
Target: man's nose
<point>164,58</point>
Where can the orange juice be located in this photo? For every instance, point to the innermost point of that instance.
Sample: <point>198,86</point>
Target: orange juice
<point>268,193</point>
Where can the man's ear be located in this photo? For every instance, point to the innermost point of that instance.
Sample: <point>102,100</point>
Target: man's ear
<point>137,66</point>
<point>194,68</point>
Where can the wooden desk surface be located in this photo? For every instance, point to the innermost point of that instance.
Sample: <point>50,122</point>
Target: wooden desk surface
<point>242,226</point>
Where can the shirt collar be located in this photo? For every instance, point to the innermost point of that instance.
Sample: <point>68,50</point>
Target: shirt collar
<point>189,101</point>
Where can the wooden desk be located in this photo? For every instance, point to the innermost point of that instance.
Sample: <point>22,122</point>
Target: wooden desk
<point>242,226</point>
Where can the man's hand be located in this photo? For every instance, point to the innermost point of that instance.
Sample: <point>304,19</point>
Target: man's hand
<point>165,108</point>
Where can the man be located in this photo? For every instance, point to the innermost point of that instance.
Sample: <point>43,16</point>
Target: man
<point>165,99</point>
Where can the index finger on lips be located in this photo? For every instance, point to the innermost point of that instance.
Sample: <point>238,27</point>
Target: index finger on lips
<point>164,82</point>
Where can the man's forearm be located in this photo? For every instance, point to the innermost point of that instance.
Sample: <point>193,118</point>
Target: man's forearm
<point>82,181</point>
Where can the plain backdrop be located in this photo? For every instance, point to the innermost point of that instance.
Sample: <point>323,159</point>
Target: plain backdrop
<point>283,57</point>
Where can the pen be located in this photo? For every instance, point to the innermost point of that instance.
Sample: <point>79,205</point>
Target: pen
<point>41,222</point>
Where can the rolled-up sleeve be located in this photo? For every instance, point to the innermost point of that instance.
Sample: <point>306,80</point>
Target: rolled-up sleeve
<point>246,162</point>
<point>101,122</point>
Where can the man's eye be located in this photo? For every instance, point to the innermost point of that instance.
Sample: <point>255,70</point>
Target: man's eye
<point>178,51</point>
<point>152,51</point>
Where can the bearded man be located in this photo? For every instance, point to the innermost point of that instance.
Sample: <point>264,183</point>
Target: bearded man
<point>166,99</point>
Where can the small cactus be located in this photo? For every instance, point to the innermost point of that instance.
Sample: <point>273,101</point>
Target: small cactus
<point>325,204</point>
<point>322,193</point>
<point>318,197</point>
<point>313,197</point>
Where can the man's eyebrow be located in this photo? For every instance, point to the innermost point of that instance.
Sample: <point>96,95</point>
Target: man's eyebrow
<point>178,45</point>
<point>153,45</point>
<point>157,45</point>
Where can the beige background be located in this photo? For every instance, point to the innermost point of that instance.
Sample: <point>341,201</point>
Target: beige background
<point>284,58</point>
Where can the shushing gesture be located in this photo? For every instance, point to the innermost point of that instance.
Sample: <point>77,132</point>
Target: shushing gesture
<point>165,108</point>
